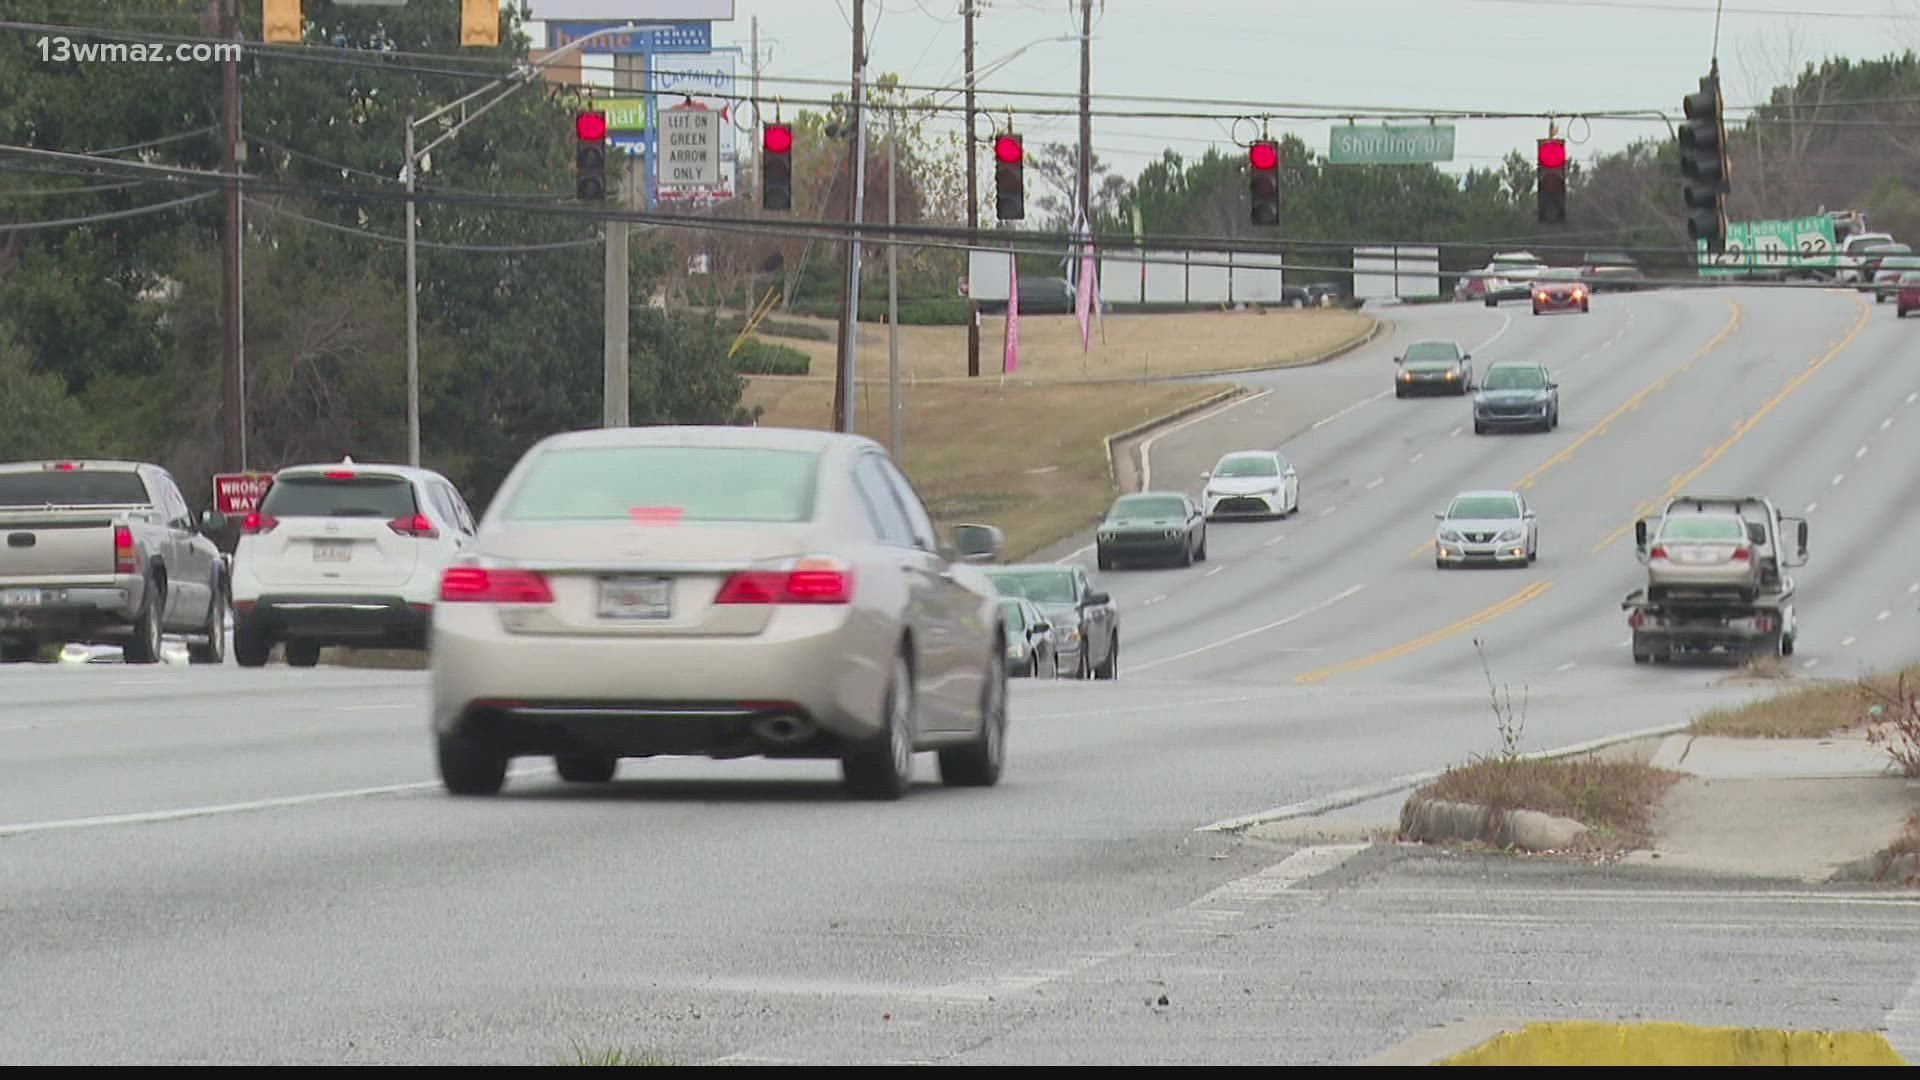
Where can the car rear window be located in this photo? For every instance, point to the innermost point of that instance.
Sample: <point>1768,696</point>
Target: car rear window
<point>307,495</point>
<point>682,483</point>
<point>1704,528</point>
<point>79,487</point>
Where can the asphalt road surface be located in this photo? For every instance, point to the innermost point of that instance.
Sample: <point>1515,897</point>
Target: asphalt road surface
<point>225,866</point>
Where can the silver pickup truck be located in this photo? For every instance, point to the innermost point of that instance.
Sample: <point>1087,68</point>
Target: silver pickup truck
<point>106,552</point>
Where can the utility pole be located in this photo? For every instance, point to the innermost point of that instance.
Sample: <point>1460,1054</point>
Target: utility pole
<point>1086,114</point>
<point>893,288</point>
<point>234,385</point>
<point>856,203</point>
<point>413,309</point>
<point>617,295</point>
<point>973,204</point>
<point>759,182</point>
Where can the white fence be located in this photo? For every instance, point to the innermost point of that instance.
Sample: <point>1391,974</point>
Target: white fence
<point>1395,272</point>
<point>1170,277</point>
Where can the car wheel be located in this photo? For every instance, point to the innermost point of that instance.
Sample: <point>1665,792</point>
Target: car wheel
<point>251,646</point>
<point>1082,668</point>
<point>144,646</point>
<point>1556,420</point>
<point>1103,560</point>
<point>1186,554</point>
<point>978,764</point>
<point>468,767</point>
<point>215,649</point>
<point>303,653</point>
<point>1479,428</point>
<point>1400,391</point>
<point>1491,302</point>
<point>1786,645</point>
<point>1110,669</point>
<point>883,768</point>
<point>1201,555</point>
<point>586,768</point>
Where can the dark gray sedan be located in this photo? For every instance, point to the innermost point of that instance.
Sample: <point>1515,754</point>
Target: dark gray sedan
<point>1516,395</point>
<point>1161,525</point>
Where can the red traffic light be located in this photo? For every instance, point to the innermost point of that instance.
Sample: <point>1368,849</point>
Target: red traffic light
<point>1264,155</point>
<point>1007,148</point>
<point>1553,153</point>
<point>778,139</point>
<point>590,126</point>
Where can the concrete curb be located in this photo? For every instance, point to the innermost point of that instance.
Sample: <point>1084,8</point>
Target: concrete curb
<point>1436,821</point>
<point>1878,869</point>
<point>1142,428</point>
<point>1334,353</point>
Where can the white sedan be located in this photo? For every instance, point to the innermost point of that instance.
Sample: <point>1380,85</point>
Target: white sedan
<point>1252,483</point>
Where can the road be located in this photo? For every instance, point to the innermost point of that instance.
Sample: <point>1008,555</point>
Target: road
<point>217,865</point>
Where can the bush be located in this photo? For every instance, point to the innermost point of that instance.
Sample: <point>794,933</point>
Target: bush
<point>779,328</point>
<point>758,357</point>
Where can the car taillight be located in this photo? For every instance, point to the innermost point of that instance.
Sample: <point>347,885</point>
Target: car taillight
<point>1657,553</point>
<point>124,559</point>
<point>338,474</point>
<point>63,466</point>
<point>478,584</point>
<point>419,525</point>
<point>256,523</point>
<point>809,582</point>
<point>1741,554</point>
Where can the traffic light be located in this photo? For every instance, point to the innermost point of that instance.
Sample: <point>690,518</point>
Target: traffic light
<point>280,20</point>
<point>590,155</point>
<point>1551,193</point>
<point>1009,177</point>
<point>776,167</point>
<point>480,23</point>
<point>1704,164</point>
<point>1263,159</point>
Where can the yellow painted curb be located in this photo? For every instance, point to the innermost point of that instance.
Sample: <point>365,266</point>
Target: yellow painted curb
<point>1583,1042</point>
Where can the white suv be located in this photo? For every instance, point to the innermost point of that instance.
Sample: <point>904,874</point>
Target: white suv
<point>344,554</point>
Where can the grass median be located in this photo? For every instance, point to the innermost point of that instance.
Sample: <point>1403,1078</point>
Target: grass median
<point>1613,798</point>
<point>1811,711</point>
<point>1031,459</point>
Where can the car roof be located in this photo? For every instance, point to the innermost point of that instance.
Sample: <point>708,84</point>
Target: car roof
<point>97,464</point>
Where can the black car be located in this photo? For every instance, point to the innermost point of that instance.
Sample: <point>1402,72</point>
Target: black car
<point>1433,367</point>
<point>1161,525</point>
<point>1086,624</point>
<point>1516,395</point>
<point>1030,644</point>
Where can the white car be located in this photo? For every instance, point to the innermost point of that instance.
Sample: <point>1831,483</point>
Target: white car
<point>1252,483</point>
<point>344,554</point>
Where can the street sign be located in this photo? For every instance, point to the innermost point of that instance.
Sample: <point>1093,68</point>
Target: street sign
<point>708,79</point>
<point>690,147</point>
<point>239,493</point>
<point>1390,144</point>
<point>680,37</point>
<point>1771,246</point>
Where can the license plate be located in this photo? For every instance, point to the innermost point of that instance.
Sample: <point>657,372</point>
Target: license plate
<point>332,551</point>
<point>636,598</point>
<point>19,597</point>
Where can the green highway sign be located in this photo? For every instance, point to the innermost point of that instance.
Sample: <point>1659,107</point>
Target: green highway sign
<point>1390,144</point>
<point>1762,246</point>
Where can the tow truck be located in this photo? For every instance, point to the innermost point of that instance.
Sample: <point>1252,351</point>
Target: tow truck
<point>1671,620</point>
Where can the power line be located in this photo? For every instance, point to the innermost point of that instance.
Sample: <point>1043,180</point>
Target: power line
<point>391,239</point>
<point>25,193</point>
<point>115,215</point>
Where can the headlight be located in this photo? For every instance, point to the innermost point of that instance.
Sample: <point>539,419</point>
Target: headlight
<point>1071,633</point>
<point>1015,651</point>
<point>1449,536</point>
<point>1509,536</point>
<point>1406,376</point>
<point>1454,374</point>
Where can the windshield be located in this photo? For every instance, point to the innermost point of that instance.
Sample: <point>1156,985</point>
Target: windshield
<point>1432,354</point>
<point>76,488</point>
<point>316,495</point>
<point>1040,586</point>
<point>683,483</point>
<point>1247,466</point>
<point>1702,527</point>
<point>1147,506</point>
<point>1515,378</point>
<point>1484,507</point>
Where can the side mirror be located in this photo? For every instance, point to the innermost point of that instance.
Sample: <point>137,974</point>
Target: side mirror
<point>1528,516</point>
<point>1399,359</point>
<point>212,521</point>
<point>1640,533</point>
<point>1803,538</point>
<point>1466,356</point>
<point>1440,517</point>
<point>976,543</point>
<point>1095,599</point>
<point>1041,628</point>
<point>1756,533</point>
<point>1206,474</point>
<point>1290,471</point>
<point>1553,386</point>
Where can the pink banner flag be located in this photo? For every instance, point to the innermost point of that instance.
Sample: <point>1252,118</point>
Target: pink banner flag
<point>1012,358</point>
<point>1088,296</point>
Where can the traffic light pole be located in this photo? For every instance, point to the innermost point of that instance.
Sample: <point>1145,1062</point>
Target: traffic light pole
<point>233,378</point>
<point>856,203</point>
<point>413,317</point>
<point>973,205</point>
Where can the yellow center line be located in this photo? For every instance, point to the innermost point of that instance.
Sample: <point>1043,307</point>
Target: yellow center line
<point>1531,592</point>
<point>1734,314</point>
<point>1741,429</point>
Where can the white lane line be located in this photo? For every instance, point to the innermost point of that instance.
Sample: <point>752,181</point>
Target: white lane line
<point>150,817</point>
<point>1568,666</point>
<point>1914,588</point>
<point>1624,644</point>
<point>1846,641</point>
<point>1415,459</point>
<point>1275,540</point>
<point>1837,477</point>
<point>1361,404</point>
<point>1073,556</point>
<point>1146,448</point>
<point>1811,507</point>
<point>1811,664</point>
<point>1887,423</point>
<point>1912,396</point>
<point>1324,511</point>
<point>1506,323</point>
<point>1860,453</point>
<point>372,708</point>
<point>1376,482</point>
<point>1213,571</point>
<point>1456,431</point>
<point>1153,600</point>
<point>1883,616</point>
<point>1244,634</point>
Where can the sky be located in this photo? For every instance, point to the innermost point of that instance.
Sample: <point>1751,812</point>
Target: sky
<point>1537,56</point>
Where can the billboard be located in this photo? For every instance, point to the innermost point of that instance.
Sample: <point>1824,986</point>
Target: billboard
<point>1395,272</point>
<point>631,10</point>
<point>710,80</point>
<point>694,37</point>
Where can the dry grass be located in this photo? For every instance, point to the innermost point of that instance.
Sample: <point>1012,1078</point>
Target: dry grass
<point>1134,346</point>
<point>1029,459</point>
<point>1810,711</point>
<point>1614,799</point>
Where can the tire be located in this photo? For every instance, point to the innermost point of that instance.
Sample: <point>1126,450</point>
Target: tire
<point>979,763</point>
<point>144,646</point>
<point>1103,560</point>
<point>1186,554</point>
<point>1554,421</point>
<point>883,768</point>
<point>1786,645</point>
<point>468,767</point>
<point>1111,669</point>
<point>1400,392</point>
<point>1491,302</point>
<point>1082,665</point>
<point>215,649</point>
<point>1201,555</point>
<point>13,652</point>
<point>1479,428</point>
<point>303,653</point>
<point>586,768</point>
<point>1642,658</point>
<point>251,646</point>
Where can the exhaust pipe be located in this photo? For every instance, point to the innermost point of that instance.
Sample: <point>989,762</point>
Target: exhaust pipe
<point>782,729</point>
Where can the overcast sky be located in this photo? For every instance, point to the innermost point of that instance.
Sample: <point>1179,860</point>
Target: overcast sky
<point>1563,56</point>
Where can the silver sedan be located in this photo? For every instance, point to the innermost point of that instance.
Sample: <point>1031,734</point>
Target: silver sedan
<point>717,591</point>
